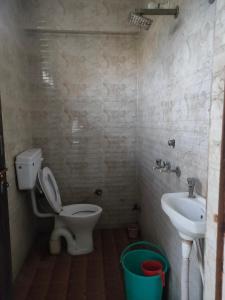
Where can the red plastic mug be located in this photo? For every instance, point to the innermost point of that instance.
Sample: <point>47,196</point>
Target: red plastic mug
<point>153,268</point>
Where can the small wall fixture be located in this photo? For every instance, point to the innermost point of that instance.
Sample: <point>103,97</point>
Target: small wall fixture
<point>137,17</point>
<point>165,167</point>
<point>172,143</point>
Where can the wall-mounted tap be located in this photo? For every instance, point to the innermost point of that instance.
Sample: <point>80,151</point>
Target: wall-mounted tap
<point>168,169</point>
<point>165,167</point>
<point>172,143</point>
<point>191,185</point>
<point>159,164</point>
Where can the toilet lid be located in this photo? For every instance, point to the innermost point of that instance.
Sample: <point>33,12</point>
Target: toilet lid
<point>50,188</point>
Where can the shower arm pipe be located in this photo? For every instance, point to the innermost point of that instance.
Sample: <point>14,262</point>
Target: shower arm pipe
<point>158,12</point>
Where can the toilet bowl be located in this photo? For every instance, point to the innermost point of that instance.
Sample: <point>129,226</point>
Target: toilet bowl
<point>79,219</point>
<point>73,222</point>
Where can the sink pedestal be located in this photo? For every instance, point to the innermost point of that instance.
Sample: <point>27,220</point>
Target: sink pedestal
<point>186,251</point>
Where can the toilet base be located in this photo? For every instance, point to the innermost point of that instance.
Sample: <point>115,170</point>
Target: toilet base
<point>82,244</point>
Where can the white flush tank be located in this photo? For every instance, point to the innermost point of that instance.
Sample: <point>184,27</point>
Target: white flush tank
<point>28,164</point>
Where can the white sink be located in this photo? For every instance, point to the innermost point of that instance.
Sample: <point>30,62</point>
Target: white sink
<point>188,215</point>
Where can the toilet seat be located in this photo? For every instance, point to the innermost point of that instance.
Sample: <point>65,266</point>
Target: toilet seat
<point>50,188</point>
<point>80,210</point>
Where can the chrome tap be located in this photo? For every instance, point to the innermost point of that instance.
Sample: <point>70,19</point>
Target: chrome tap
<point>159,164</point>
<point>191,185</point>
<point>166,168</point>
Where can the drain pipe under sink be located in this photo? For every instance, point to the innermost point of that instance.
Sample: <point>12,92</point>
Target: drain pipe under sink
<point>186,251</point>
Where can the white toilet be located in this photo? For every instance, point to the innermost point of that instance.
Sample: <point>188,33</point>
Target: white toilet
<point>73,222</point>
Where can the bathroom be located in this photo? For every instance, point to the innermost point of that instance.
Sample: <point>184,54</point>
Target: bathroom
<point>110,104</point>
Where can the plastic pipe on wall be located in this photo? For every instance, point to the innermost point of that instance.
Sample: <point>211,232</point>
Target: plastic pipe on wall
<point>35,209</point>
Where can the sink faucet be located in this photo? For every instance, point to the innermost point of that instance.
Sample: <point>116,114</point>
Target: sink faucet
<point>191,185</point>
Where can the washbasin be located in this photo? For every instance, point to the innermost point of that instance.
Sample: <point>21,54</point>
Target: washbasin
<point>188,215</point>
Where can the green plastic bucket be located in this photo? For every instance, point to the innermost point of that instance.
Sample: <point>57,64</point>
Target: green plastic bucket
<point>137,285</point>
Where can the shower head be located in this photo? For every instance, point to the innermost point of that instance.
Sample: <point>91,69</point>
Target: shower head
<point>139,20</point>
<point>137,17</point>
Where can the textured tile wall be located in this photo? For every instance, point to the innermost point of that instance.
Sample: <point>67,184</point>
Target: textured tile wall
<point>16,103</point>
<point>84,117</point>
<point>94,15</point>
<point>215,148</point>
<point>84,101</point>
<point>174,102</point>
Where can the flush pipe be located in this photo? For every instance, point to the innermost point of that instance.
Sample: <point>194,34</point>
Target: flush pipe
<point>35,208</point>
<point>186,251</point>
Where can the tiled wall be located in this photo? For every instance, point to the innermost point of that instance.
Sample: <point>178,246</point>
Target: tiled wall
<point>84,114</point>
<point>16,122</point>
<point>84,108</point>
<point>81,15</point>
<point>174,102</point>
<point>215,149</point>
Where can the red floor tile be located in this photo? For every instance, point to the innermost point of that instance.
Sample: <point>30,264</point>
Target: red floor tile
<point>38,292</point>
<point>113,284</point>
<point>96,276</point>
<point>57,291</point>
